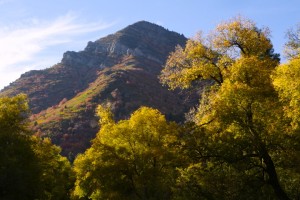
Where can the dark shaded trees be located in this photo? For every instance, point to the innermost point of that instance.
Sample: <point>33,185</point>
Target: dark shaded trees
<point>30,168</point>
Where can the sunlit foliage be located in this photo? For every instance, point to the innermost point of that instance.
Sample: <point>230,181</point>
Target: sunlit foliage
<point>130,159</point>
<point>286,81</point>
<point>248,133</point>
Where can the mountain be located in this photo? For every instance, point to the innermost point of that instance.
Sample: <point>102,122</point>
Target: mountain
<point>120,71</point>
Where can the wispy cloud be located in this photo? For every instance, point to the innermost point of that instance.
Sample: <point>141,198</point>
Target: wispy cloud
<point>22,42</point>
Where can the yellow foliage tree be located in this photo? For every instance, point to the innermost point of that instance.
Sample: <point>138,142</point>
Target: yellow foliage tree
<point>130,159</point>
<point>242,111</point>
<point>286,81</point>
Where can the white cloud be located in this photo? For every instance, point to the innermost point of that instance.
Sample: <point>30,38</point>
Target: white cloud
<point>21,43</point>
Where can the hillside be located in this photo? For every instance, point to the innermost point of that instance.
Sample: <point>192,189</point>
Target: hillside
<point>119,71</point>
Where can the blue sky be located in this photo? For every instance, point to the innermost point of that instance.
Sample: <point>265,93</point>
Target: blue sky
<point>35,34</point>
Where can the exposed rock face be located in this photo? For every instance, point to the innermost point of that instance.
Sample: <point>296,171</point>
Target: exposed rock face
<point>119,70</point>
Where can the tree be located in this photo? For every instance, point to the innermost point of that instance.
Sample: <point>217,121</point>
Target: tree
<point>292,46</point>
<point>13,115</point>
<point>30,168</point>
<point>130,159</point>
<point>56,179</point>
<point>18,172</point>
<point>285,80</point>
<point>210,58</point>
<point>241,111</point>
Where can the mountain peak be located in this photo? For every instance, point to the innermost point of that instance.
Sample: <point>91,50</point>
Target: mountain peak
<point>119,70</point>
<point>139,39</point>
<point>149,28</point>
<point>145,25</point>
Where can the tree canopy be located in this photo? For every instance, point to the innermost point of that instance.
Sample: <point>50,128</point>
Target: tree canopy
<point>242,112</point>
<point>130,159</point>
<point>292,46</point>
<point>30,167</point>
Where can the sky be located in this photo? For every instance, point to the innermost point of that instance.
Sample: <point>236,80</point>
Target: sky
<point>34,34</point>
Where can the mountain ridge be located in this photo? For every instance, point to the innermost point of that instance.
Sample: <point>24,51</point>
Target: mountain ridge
<point>120,71</point>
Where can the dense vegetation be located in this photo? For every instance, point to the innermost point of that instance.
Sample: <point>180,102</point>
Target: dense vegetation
<point>242,142</point>
<point>30,167</point>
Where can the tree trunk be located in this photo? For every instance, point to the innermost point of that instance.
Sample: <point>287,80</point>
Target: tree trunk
<point>273,178</point>
<point>270,167</point>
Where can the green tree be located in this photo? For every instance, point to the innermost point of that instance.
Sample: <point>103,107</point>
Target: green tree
<point>241,112</point>
<point>13,115</point>
<point>130,159</point>
<point>30,168</point>
<point>56,178</point>
<point>18,171</point>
